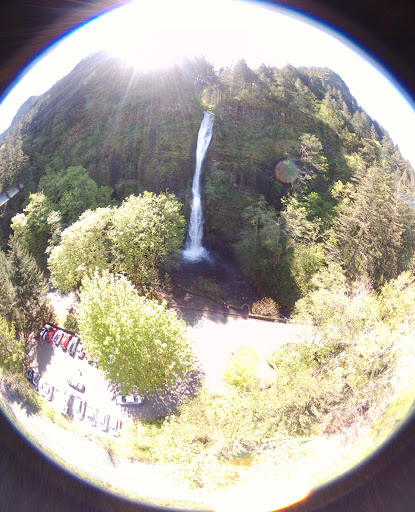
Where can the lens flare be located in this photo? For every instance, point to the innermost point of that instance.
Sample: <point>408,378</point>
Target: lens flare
<point>287,171</point>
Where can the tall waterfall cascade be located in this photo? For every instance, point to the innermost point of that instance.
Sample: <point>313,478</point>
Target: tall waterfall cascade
<point>194,250</point>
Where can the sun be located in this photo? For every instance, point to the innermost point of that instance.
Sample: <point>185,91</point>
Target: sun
<point>151,35</point>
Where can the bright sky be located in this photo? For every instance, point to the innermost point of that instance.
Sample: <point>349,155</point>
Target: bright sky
<point>153,34</point>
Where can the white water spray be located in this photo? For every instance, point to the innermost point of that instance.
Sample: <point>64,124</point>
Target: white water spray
<point>194,250</point>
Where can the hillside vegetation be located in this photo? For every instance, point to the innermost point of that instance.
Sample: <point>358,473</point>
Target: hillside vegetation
<point>107,131</point>
<point>309,195</point>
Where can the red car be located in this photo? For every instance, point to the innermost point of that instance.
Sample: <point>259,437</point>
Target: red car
<point>66,338</point>
<point>49,335</point>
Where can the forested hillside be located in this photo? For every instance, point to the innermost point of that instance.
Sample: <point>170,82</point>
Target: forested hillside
<point>298,177</point>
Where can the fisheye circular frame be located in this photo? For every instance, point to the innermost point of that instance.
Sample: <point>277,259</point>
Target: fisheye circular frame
<point>68,17</point>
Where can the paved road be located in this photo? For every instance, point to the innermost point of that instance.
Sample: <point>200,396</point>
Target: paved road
<point>217,336</point>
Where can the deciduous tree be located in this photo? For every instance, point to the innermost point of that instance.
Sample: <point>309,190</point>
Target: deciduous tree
<point>84,247</point>
<point>137,342</point>
<point>147,233</point>
<point>36,226</point>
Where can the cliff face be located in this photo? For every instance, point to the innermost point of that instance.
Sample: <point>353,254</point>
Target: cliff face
<point>130,131</point>
<point>124,126</point>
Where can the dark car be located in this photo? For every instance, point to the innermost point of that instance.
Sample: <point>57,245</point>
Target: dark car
<point>74,383</point>
<point>57,337</point>
<point>35,380</point>
<point>72,345</point>
<point>33,377</point>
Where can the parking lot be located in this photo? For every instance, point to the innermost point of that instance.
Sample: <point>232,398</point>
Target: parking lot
<point>216,336</point>
<point>55,365</point>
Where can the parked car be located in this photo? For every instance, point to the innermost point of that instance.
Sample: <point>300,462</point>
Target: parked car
<point>43,331</point>
<point>91,415</point>
<point>49,334</point>
<point>114,426</point>
<point>78,408</point>
<point>45,389</point>
<point>35,380</point>
<point>33,377</point>
<point>66,402</point>
<point>129,400</point>
<point>102,421</point>
<point>73,345</point>
<point>74,383</point>
<point>57,337</point>
<point>66,338</point>
<point>80,351</point>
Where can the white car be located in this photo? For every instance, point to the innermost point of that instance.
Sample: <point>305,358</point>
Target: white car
<point>78,408</point>
<point>74,383</point>
<point>65,402</point>
<point>57,337</point>
<point>114,427</point>
<point>91,415</point>
<point>102,421</point>
<point>129,400</point>
<point>80,351</point>
<point>45,389</point>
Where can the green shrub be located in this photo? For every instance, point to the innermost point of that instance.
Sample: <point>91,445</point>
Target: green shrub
<point>71,321</point>
<point>265,307</point>
<point>241,370</point>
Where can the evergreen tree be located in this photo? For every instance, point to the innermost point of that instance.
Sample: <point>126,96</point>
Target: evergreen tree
<point>31,306</point>
<point>367,235</point>
<point>7,292</point>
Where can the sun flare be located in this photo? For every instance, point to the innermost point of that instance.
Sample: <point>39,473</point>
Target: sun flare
<point>158,35</point>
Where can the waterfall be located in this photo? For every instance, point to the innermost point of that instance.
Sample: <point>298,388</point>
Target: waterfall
<point>194,250</point>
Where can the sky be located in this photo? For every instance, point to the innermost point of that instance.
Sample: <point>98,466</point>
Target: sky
<point>155,34</point>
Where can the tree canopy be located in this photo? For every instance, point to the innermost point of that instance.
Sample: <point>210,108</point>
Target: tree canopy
<point>38,228</point>
<point>72,191</point>
<point>136,341</point>
<point>23,291</point>
<point>145,233</point>
<point>84,247</point>
<point>110,132</point>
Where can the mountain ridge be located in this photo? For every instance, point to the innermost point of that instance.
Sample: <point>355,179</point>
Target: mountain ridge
<point>128,132</point>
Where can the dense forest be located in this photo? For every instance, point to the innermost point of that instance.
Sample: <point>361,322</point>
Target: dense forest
<point>297,177</point>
